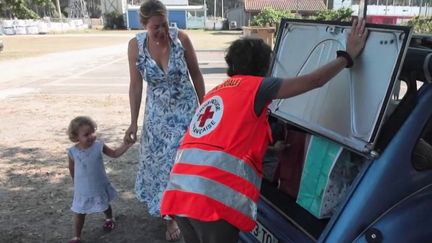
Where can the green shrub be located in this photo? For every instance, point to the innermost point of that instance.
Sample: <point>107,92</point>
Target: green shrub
<point>421,24</point>
<point>270,16</point>
<point>342,14</point>
<point>114,20</point>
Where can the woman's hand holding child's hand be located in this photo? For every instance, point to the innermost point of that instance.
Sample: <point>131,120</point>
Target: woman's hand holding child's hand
<point>128,144</point>
<point>130,135</point>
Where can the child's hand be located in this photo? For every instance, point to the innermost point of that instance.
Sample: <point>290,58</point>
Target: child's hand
<point>128,144</point>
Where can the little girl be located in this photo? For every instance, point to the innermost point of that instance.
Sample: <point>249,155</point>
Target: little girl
<point>92,190</point>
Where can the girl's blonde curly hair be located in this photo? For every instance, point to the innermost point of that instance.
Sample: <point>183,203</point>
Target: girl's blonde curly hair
<point>76,123</point>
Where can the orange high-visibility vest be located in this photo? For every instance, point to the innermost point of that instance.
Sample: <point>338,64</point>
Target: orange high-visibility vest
<point>218,168</point>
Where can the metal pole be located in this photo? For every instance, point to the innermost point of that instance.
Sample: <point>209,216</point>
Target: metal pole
<point>386,8</point>
<point>205,13</point>
<point>214,10</point>
<point>420,9</point>
<point>60,14</point>
<point>362,9</point>
<point>222,10</point>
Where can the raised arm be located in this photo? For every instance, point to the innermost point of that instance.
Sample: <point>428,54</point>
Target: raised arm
<point>135,92</point>
<point>317,78</point>
<point>192,64</point>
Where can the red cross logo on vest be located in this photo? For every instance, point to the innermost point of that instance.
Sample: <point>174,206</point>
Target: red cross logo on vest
<point>208,114</point>
<point>207,117</point>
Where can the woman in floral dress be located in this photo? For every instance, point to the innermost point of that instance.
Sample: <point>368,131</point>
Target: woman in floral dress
<point>164,58</point>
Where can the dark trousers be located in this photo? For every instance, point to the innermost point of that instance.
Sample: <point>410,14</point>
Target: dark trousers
<point>196,231</point>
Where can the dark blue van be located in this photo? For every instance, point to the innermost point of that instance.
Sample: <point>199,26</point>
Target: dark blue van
<point>379,113</point>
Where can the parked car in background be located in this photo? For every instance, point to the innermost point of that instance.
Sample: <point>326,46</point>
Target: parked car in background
<point>356,165</point>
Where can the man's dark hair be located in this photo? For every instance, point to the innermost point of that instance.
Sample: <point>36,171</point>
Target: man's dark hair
<point>248,56</point>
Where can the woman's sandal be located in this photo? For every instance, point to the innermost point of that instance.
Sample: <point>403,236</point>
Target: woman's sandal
<point>108,225</point>
<point>75,240</point>
<point>173,236</point>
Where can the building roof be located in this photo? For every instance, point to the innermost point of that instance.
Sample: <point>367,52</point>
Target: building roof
<point>175,2</point>
<point>300,5</point>
<point>174,8</point>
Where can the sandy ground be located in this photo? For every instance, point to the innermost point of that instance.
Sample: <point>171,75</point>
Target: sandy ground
<point>35,185</point>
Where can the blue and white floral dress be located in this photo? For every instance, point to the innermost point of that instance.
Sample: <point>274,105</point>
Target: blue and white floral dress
<point>170,104</point>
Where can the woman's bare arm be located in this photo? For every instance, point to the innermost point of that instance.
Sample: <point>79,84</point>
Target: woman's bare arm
<point>193,66</point>
<point>135,91</point>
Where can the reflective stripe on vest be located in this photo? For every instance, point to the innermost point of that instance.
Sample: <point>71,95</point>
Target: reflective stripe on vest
<point>220,160</point>
<point>214,190</point>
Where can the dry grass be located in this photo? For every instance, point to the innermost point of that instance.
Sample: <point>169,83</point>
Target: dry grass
<point>19,46</point>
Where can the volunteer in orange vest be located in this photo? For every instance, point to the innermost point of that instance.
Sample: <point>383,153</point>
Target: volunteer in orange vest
<point>215,182</point>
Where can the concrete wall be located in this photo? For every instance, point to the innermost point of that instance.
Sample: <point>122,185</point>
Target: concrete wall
<point>238,15</point>
<point>33,27</point>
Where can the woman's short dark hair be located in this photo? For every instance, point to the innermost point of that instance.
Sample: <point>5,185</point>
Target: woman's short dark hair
<point>150,8</point>
<point>248,56</point>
